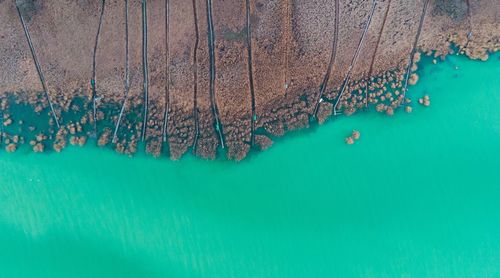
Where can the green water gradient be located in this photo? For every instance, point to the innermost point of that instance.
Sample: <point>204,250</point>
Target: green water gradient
<point>417,196</point>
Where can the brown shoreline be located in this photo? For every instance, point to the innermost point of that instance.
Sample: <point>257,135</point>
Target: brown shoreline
<point>291,44</point>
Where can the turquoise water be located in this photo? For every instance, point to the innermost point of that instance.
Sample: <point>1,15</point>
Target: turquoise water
<point>417,196</point>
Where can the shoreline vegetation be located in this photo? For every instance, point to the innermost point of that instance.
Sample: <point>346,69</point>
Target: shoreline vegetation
<point>50,120</point>
<point>27,119</point>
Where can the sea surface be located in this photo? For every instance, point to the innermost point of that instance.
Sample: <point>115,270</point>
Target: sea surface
<point>417,196</point>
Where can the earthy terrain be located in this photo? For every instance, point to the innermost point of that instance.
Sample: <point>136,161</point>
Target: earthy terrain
<point>221,73</point>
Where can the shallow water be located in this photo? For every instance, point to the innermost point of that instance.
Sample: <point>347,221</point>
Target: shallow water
<point>417,196</point>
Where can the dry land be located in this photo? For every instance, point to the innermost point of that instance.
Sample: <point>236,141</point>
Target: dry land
<point>232,73</point>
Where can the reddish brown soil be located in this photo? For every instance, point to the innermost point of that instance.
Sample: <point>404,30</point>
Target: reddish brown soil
<point>291,47</point>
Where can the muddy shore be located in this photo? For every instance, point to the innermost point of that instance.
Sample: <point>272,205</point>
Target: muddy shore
<point>254,67</point>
